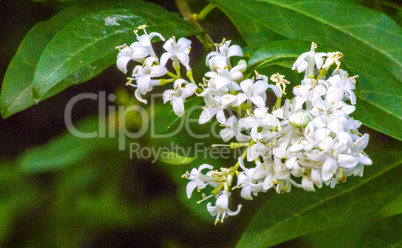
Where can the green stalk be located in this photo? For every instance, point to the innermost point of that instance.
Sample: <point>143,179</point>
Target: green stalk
<point>185,11</point>
<point>205,11</point>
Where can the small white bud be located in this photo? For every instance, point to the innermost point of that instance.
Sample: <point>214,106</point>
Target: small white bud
<point>299,119</point>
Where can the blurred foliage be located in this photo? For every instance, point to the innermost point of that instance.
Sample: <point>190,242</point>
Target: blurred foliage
<point>58,190</point>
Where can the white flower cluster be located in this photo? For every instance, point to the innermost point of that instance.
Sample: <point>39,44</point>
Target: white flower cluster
<point>306,142</point>
<point>150,68</point>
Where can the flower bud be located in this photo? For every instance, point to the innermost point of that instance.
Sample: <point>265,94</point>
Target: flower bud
<point>299,119</point>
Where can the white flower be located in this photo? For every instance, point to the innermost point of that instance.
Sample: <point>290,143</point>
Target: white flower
<point>233,129</point>
<point>333,58</point>
<point>345,84</point>
<point>179,94</point>
<point>253,91</point>
<point>308,61</point>
<point>360,144</point>
<point>143,74</point>
<point>197,179</point>
<point>221,208</point>
<point>261,124</point>
<point>135,52</point>
<point>247,183</point>
<point>224,79</point>
<point>223,52</point>
<point>176,52</point>
<point>258,149</point>
<point>145,39</point>
<point>215,106</point>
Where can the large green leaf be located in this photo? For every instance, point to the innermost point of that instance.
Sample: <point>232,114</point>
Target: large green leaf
<point>379,94</point>
<point>284,217</point>
<point>16,92</point>
<point>342,24</point>
<point>95,35</point>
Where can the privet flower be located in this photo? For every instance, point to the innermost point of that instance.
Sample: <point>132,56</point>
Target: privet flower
<point>307,142</point>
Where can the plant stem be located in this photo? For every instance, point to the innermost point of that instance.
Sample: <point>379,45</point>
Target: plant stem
<point>185,11</point>
<point>170,74</point>
<point>243,156</point>
<point>205,11</point>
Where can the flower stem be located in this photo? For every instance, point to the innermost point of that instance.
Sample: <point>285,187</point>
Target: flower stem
<point>170,74</point>
<point>243,156</point>
<point>205,11</point>
<point>185,11</point>
<point>278,103</point>
<point>323,72</point>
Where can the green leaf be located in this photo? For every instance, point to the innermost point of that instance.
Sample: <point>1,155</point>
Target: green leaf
<point>19,196</point>
<point>252,31</point>
<point>174,158</point>
<point>386,233</point>
<point>66,150</point>
<point>16,92</point>
<point>94,36</point>
<point>393,208</point>
<point>344,25</point>
<point>379,94</point>
<point>284,217</point>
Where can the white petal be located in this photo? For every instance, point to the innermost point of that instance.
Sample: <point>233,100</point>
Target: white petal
<point>328,168</point>
<point>154,34</point>
<point>138,96</point>
<point>178,106</point>
<point>246,86</point>
<point>235,50</point>
<point>164,58</point>
<point>158,71</point>
<point>335,126</point>
<point>183,57</point>
<point>169,45</point>
<point>246,193</point>
<point>240,98</point>
<point>220,116</point>
<point>290,162</point>
<point>143,84</point>
<point>316,155</point>
<point>206,115</point>
<point>231,213</point>
<point>258,101</point>
<point>307,184</point>
<point>140,52</point>
<point>227,99</point>
<point>364,159</point>
<point>226,134</point>
<point>276,90</point>
<point>188,90</point>
<point>190,188</point>
<point>334,95</point>
<point>167,95</point>
<point>362,142</point>
<point>347,161</point>
<point>302,66</point>
<point>183,44</point>
<point>223,201</point>
<point>122,63</point>
<point>316,178</point>
<point>259,87</point>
